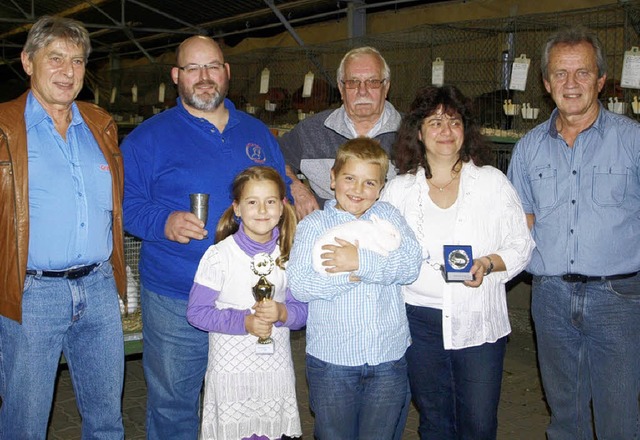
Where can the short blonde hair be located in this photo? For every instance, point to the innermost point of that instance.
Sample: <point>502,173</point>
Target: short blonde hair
<point>365,149</point>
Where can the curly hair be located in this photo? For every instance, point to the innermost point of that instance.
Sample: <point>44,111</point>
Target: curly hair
<point>409,152</point>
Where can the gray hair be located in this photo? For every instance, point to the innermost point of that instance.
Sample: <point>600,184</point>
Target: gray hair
<point>49,28</point>
<point>573,36</point>
<point>364,50</point>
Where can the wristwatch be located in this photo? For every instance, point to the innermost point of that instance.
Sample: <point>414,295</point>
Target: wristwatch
<point>490,268</point>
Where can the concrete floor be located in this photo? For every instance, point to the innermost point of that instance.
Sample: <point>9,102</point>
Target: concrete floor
<point>522,413</point>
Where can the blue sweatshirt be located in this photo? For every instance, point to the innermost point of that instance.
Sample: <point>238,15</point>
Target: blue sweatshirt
<point>170,156</point>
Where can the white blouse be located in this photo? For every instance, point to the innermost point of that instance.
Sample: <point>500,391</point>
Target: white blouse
<point>489,217</point>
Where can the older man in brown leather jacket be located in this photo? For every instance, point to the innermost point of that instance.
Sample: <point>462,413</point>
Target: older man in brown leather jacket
<point>61,243</point>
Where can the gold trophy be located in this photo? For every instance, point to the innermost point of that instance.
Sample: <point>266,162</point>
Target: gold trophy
<point>262,265</point>
<point>263,291</point>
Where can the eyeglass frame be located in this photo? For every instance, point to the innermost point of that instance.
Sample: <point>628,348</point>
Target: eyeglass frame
<point>367,83</point>
<point>190,68</point>
<point>455,122</point>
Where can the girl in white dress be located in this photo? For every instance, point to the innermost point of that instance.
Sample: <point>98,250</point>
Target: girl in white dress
<point>249,385</point>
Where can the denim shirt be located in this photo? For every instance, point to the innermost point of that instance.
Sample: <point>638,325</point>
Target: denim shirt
<point>70,193</point>
<point>586,199</point>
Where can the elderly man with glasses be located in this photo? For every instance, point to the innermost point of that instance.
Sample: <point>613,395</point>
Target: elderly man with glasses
<point>363,79</point>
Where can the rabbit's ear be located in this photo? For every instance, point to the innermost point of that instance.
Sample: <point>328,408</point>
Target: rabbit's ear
<point>374,218</point>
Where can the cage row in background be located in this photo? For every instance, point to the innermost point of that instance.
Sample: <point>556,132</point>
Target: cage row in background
<point>478,57</point>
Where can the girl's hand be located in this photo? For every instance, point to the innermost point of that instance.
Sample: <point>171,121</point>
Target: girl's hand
<point>270,311</point>
<point>257,327</point>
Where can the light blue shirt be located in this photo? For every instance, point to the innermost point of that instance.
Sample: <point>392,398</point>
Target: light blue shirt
<point>355,323</point>
<point>586,199</point>
<point>70,200</point>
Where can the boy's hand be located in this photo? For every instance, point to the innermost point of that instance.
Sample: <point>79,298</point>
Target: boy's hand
<point>270,311</point>
<point>257,327</point>
<point>342,257</point>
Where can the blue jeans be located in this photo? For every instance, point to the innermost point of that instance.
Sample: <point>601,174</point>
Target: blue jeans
<point>174,361</point>
<point>588,340</point>
<point>404,415</point>
<point>80,318</point>
<point>456,391</point>
<point>362,402</point>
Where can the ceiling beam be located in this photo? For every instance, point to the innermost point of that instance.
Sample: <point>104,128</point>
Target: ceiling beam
<point>284,21</point>
<point>169,16</point>
<point>31,18</point>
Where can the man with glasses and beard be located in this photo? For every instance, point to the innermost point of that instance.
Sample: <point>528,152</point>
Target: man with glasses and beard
<point>198,146</point>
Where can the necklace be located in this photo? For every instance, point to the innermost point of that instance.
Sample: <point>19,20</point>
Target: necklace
<point>420,232</point>
<point>441,188</point>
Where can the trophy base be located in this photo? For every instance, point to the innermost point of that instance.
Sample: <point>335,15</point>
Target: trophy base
<point>262,348</point>
<point>457,277</point>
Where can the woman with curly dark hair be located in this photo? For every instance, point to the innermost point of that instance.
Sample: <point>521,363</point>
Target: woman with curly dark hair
<point>450,195</point>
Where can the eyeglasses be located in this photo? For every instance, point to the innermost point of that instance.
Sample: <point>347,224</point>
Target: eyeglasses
<point>368,83</point>
<point>192,69</point>
<point>438,123</point>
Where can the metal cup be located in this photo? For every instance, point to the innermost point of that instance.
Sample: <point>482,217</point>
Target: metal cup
<point>200,205</point>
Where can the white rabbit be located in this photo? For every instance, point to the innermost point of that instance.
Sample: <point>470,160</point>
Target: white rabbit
<point>377,235</point>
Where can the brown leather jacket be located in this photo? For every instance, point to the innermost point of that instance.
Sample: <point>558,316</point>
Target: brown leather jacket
<point>14,198</point>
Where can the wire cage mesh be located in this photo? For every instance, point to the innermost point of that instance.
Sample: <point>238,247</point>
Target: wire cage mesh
<point>478,56</point>
<point>132,257</point>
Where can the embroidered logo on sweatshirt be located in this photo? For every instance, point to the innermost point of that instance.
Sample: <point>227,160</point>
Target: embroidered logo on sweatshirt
<point>255,153</point>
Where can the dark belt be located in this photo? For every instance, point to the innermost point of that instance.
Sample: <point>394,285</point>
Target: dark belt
<point>71,274</point>
<point>578,278</point>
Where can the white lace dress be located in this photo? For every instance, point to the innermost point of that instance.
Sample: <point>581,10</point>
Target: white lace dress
<point>245,393</point>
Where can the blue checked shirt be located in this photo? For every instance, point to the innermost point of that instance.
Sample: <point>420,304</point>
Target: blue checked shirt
<point>355,323</point>
<point>586,199</point>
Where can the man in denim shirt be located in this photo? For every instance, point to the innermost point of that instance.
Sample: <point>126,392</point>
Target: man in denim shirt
<point>61,247</point>
<point>579,180</point>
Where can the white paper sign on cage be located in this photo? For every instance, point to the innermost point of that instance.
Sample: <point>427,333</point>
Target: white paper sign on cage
<point>264,81</point>
<point>308,85</point>
<point>519,73</point>
<point>631,69</point>
<point>437,72</point>
<point>161,90</point>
